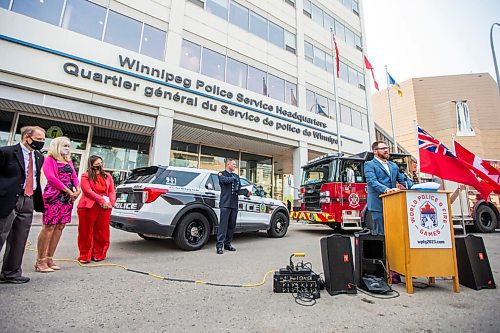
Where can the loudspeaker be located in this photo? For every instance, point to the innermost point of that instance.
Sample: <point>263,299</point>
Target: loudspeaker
<point>336,253</point>
<point>474,269</point>
<point>369,257</point>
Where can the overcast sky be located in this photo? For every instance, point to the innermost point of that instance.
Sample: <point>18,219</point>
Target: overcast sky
<point>431,37</point>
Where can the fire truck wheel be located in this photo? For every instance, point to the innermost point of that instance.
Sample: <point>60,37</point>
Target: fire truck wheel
<point>486,219</point>
<point>279,225</point>
<point>334,226</point>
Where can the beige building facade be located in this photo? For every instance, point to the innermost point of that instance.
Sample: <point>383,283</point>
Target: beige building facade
<point>465,106</point>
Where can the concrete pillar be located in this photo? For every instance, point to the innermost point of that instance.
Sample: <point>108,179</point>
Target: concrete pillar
<point>162,138</point>
<point>300,157</point>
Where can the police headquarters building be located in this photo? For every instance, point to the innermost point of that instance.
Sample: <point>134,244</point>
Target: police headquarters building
<point>186,82</point>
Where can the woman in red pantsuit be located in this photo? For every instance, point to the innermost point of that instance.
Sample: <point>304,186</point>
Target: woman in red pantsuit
<point>94,211</point>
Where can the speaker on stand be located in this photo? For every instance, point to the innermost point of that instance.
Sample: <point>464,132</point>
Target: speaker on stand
<point>474,269</point>
<point>336,254</point>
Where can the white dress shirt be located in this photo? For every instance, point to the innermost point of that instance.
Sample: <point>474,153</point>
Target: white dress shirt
<point>26,154</point>
<point>384,164</point>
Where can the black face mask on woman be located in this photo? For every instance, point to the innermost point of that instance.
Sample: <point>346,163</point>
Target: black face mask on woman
<point>97,168</point>
<point>36,145</point>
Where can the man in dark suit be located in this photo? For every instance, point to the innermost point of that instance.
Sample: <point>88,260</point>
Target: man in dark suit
<point>230,188</point>
<point>381,176</point>
<point>20,193</point>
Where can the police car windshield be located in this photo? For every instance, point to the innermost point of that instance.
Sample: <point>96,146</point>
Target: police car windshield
<point>156,175</point>
<point>317,174</point>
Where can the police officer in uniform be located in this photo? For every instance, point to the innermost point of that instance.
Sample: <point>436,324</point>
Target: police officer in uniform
<point>230,188</point>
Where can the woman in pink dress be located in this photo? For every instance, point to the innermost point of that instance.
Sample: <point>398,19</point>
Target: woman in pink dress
<point>60,193</point>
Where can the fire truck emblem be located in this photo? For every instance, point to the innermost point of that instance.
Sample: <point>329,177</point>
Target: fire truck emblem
<point>354,200</point>
<point>428,216</point>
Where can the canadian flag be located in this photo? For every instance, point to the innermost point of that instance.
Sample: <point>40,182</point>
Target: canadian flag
<point>483,169</point>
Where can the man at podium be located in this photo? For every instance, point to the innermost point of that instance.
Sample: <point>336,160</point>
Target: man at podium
<point>381,176</point>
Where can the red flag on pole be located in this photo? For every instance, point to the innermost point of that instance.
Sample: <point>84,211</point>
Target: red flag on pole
<point>337,56</point>
<point>370,67</point>
<point>438,160</point>
<point>482,168</point>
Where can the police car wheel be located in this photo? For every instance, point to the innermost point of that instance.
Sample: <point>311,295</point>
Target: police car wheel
<point>192,232</point>
<point>486,219</point>
<point>279,225</point>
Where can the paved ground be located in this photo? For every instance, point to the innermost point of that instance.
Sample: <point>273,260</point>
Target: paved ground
<point>108,299</point>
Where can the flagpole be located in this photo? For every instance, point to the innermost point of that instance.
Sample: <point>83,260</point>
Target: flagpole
<point>390,111</point>
<point>337,107</point>
<point>415,125</point>
<point>368,118</point>
<point>460,201</point>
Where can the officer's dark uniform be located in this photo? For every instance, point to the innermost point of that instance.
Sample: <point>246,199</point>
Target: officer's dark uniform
<point>230,186</point>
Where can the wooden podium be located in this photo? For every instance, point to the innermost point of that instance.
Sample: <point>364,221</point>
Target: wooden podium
<point>419,237</point>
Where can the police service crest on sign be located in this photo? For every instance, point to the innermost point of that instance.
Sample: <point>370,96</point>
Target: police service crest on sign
<point>354,200</point>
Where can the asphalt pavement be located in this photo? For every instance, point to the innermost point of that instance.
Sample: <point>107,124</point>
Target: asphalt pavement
<point>111,299</point>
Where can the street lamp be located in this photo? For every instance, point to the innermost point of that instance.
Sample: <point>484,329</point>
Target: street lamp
<point>494,56</point>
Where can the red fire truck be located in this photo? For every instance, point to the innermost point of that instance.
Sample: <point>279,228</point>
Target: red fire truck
<point>333,192</point>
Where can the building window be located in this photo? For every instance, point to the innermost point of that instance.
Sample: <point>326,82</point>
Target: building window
<point>290,42</point>
<point>217,7</point>
<point>276,88</point>
<point>339,30</point>
<point>319,58</point>
<point>307,8</point>
<point>349,37</point>
<point>345,114</point>
<point>308,50</point>
<point>85,18</point>
<point>236,73</point>
<point>257,169</point>
<point>321,105</point>
<point>46,11</point>
<point>153,42</point>
<point>120,150</point>
<point>344,73</point>
<point>276,34</point>
<point>331,108</point>
<point>291,93</point>
<point>6,119</point>
<point>310,101</point>
<point>353,77</point>
<point>258,25</point>
<point>238,15</point>
<point>317,15</point>
<point>4,4</point>
<point>123,31</point>
<point>329,22</point>
<point>213,158</point>
<point>356,119</point>
<point>213,64</point>
<point>183,154</point>
<point>190,57</point>
<point>257,80</point>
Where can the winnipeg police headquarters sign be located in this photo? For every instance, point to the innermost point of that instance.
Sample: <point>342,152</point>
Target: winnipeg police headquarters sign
<point>428,220</point>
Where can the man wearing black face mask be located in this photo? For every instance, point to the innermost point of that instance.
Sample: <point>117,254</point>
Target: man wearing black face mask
<point>20,194</point>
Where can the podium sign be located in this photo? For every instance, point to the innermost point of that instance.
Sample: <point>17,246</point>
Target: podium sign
<point>428,220</point>
<point>419,239</point>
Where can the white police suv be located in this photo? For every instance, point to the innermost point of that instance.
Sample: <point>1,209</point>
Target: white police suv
<point>183,203</point>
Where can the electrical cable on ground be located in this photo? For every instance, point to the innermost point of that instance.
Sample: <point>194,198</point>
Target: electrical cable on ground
<point>248,285</point>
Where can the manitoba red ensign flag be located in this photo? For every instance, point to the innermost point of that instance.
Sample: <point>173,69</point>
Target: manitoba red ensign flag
<point>438,160</point>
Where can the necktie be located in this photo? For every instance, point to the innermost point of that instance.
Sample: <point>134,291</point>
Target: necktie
<point>28,189</point>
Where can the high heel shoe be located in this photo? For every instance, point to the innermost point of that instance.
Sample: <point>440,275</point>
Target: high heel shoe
<point>50,263</point>
<point>39,266</point>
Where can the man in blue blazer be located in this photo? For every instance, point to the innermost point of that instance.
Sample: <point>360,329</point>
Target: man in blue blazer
<point>381,176</point>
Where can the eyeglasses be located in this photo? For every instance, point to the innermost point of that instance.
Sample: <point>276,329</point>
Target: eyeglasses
<point>383,148</point>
